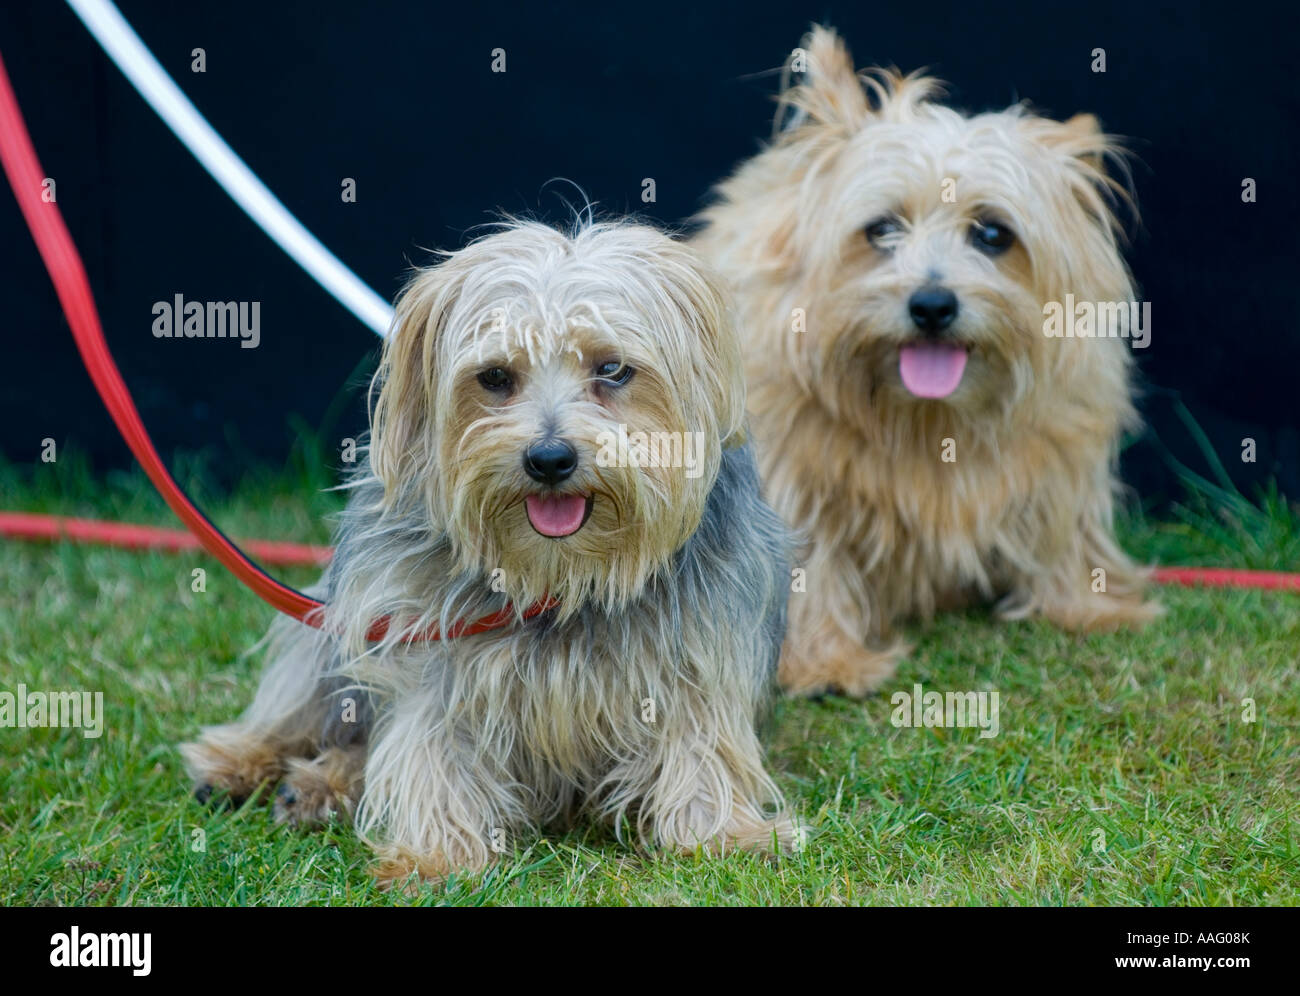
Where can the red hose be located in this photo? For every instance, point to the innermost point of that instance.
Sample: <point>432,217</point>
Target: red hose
<point>22,525</point>
<point>19,525</point>
<point>59,253</point>
<point>1224,577</point>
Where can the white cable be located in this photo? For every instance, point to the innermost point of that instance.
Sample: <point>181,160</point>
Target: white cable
<point>137,63</point>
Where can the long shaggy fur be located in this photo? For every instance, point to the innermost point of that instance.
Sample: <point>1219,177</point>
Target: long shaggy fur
<point>634,700</point>
<point>849,456</point>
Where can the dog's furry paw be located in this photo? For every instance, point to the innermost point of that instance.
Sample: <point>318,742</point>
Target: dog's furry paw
<point>401,868</point>
<point>315,791</point>
<point>230,768</point>
<point>747,832</point>
<point>781,835</point>
<point>1093,613</point>
<point>839,667</point>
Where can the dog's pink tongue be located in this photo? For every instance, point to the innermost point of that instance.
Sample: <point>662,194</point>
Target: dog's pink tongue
<point>931,371</point>
<point>558,515</point>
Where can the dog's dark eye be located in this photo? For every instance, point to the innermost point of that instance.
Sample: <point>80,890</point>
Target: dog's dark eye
<point>881,230</point>
<point>992,237</point>
<point>496,379</point>
<point>614,372</point>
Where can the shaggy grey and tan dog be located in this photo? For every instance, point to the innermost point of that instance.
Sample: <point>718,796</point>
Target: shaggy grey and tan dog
<point>559,417</point>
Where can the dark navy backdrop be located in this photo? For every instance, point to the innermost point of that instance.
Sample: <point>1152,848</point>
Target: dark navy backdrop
<point>400,96</point>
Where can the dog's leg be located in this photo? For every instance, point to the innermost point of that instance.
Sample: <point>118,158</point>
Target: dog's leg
<point>284,721</point>
<point>437,799</point>
<point>1091,586</point>
<point>838,640</point>
<point>701,783</point>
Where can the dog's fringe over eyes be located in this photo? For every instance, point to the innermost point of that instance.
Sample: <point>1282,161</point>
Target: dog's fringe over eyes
<point>635,699</point>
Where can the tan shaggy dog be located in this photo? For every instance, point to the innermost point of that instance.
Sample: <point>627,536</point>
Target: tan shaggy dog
<point>917,417</point>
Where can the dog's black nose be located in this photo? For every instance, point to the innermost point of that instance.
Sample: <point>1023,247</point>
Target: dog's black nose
<point>933,308</point>
<point>550,461</point>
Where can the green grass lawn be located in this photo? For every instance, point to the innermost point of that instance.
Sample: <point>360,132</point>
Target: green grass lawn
<point>1124,772</point>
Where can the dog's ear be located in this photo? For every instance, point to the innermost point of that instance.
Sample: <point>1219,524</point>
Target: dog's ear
<point>819,83</point>
<point>1097,159</point>
<point>1080,137</point>
<point>1083,124</point>
<point>1083,132</point>
<point>724,380</point>
<point>401,433</point>
<point>701,339</point>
